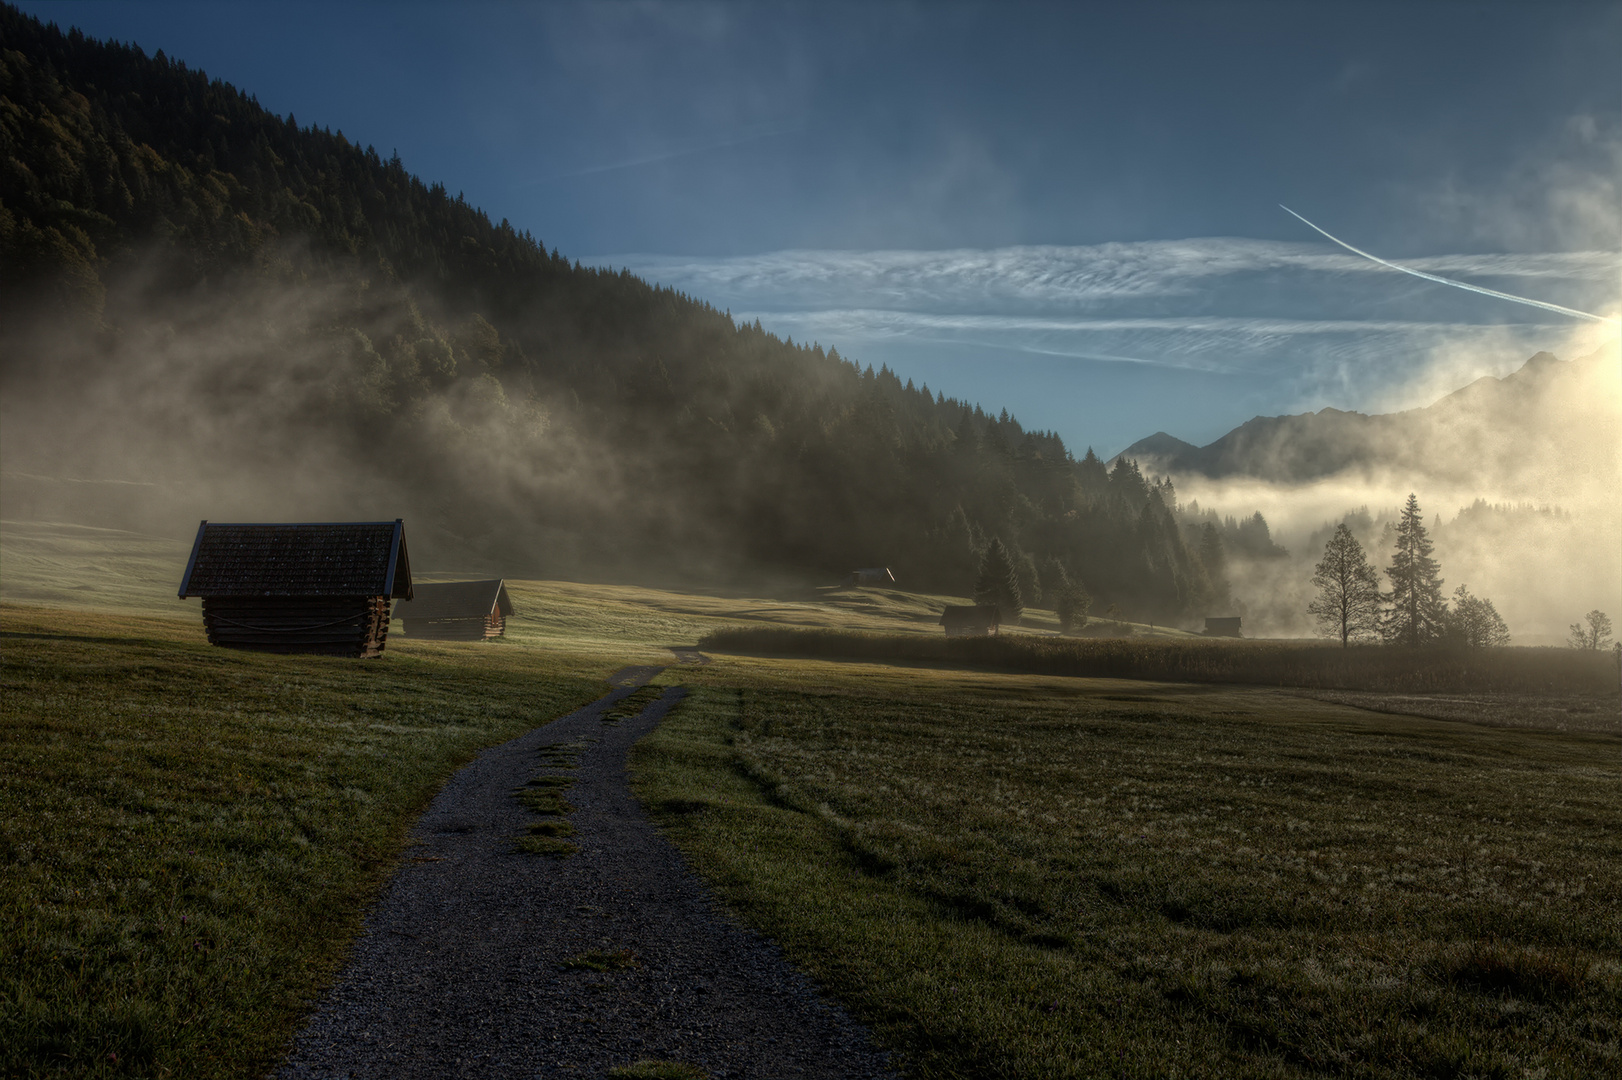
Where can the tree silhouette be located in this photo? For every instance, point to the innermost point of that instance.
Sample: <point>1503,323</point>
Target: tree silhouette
<point>1596,635</point>
<point>1474,622</point>
<point>997,584</point>
<point>1417,609</point>
<point>1348,600</point>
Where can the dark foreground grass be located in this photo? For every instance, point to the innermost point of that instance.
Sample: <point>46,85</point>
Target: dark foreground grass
<point>1165,883</point>
<point>1261,663</point>
<point>188,835</point>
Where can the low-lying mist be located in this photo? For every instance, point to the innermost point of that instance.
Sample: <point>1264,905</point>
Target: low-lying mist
<point>264,402</point>
<point>1519,481</point>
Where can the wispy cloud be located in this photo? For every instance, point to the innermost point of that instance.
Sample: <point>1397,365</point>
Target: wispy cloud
<point>1287,326</point>
<point>1054,278</point>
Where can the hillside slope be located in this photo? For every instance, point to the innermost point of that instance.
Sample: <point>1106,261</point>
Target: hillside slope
<point>207,310</point>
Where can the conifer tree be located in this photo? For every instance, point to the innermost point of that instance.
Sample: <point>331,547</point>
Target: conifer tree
<point>1215,561</point>
<point>1348,600</point>
<point>998,584</point>
<point>1417,612</point>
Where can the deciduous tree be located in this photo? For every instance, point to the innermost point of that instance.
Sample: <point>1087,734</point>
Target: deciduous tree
<point>1348,601</point>
<point>1595,635</point>
<point>1474,622</point>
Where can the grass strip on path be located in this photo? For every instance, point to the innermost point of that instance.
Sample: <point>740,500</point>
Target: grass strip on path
<point>188,835</point>
<point>1005,877</point>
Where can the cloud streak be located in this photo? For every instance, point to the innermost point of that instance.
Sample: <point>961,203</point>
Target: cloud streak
<point>1206,273</point>
<point>1458,284</point>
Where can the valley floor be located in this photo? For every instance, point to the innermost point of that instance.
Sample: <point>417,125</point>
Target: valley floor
<point>1000,874</point>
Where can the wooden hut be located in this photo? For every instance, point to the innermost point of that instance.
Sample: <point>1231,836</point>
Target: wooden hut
<point>1228,626</point>
<point>976,620</point>
<point>456,610</point>
<point>872,575</point>
<point>299,588</point>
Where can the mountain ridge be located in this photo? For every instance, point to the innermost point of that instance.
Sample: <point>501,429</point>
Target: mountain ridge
<point>1520,428</point>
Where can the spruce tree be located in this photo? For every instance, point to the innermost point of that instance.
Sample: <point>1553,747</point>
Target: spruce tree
<point>998,585</point>
<point>1417,613</point>
<point>1348,600</point>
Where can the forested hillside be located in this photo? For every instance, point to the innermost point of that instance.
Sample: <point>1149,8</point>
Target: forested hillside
<point>209,310</point>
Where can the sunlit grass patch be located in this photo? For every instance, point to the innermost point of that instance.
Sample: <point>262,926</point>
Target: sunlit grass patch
<point>1031,879</point>
<point>601,960</point>
<point>188,835</point>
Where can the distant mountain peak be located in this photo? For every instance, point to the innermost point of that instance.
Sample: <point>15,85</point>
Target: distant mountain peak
<point>1538,419</point>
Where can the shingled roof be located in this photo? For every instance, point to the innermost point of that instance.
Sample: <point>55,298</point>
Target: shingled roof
<point>456,600</point>
<point>342,558</point>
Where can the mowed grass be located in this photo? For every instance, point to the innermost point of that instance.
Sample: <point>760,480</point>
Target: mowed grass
<point>1019,876</point>
<point>188,835</point>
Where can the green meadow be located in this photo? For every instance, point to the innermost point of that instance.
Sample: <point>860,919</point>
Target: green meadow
<point>1004,872</point>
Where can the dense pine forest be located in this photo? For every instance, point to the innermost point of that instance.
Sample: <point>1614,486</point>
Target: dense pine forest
<point>234,315</point>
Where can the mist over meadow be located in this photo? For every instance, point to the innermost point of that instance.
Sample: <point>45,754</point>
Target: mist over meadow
<point>213,311</point>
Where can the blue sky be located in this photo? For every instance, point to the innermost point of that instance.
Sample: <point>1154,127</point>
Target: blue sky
<point>1070,211</point>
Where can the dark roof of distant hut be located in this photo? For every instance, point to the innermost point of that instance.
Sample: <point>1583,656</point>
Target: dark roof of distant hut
<point>456,600</point>
<point>299,588</point>
<point>457,611</point>
<point>341,558</point>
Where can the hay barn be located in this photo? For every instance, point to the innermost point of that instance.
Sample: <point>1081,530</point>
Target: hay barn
<point>872,575</point>
<point>1223,627</point>
<point>975,620</point>
<point>299,588</point>
<point>456,611</point>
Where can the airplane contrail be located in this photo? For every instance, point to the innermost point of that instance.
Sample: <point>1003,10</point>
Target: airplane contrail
<point>1456,284</point>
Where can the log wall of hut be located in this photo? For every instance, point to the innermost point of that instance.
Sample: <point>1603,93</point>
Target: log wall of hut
<point>299,587</point>
<point>325,625</point>
<point>468,629</point>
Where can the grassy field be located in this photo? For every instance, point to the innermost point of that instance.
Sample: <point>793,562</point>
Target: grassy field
<point>1545,671</point>
<point>1005,873</point>
<point>1016,876</point>
<point>188,835</point>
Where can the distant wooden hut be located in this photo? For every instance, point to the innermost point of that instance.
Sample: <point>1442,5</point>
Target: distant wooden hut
<point>299,588</point>
<point>1223,627</point>
<point>872,575</point>
<point>456,610</point>
<point>976,620</point>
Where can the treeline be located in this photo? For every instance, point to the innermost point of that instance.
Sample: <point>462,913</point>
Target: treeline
<point>531,411</point>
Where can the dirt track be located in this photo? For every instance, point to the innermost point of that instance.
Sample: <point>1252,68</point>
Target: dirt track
<point>460,970</point>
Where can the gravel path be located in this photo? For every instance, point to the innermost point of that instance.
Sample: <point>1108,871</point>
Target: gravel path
<point>460,969</point>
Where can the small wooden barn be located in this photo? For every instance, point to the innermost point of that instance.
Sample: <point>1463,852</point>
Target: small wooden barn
<point>456,610</point>
<point>872,575</point>
<point>1227,626</point>
<point>972,620</point>
<point>299,588</point>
